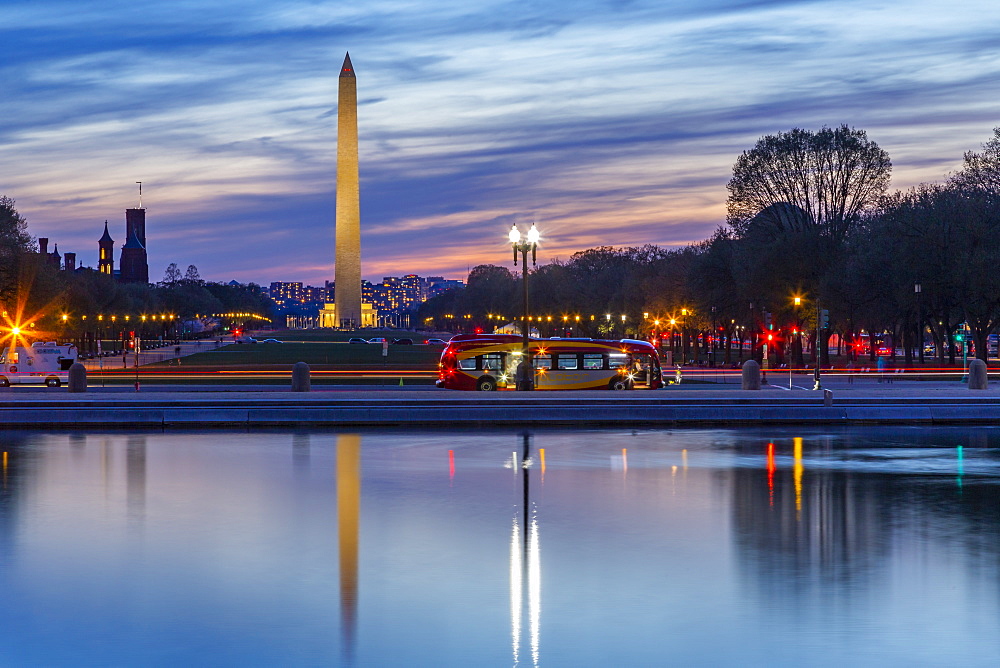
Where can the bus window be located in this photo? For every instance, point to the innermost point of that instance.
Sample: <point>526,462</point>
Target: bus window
<point>592,361</point>
<point>618,360</point>
<point>543,361</point>
<point>492,362</point>
<point>469,363</point>
<point>566,361</point>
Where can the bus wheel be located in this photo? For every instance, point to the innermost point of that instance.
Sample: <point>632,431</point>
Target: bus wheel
<point>618,384</point>
<point>486,384</point>
<point>4,382</point>
<point>52,382</point>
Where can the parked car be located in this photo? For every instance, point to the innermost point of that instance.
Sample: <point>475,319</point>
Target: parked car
<point>403,342</point>
<point>357,340</point>
<point>377,339</point>
<point>436,342</point>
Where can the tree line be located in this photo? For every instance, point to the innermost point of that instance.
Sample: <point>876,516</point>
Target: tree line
<point>36,293</point>
<point>809,216</point>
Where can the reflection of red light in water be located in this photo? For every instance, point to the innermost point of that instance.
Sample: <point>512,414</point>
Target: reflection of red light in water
<point>770,471</point>
<point>451,464</point>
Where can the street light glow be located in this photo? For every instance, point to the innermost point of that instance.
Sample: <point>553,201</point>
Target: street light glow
<point>533,234</point>
<point>515,234</point>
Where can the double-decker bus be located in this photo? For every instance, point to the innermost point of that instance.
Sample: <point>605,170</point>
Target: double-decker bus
<point>489,362</point>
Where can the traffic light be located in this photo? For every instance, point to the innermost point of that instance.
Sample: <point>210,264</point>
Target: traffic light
<point>767,320</point>
<point>824,319</point>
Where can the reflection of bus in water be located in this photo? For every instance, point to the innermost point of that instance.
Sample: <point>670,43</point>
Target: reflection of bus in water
<point>489,362</point>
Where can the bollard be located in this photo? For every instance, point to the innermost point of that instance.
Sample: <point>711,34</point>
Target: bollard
<point>977,375</point>
<point>751,375</point>
<point>827,398</point>
<point>300,377</point>
<point>77,378</point>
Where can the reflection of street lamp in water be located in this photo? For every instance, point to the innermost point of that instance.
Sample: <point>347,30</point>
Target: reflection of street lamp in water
<point>525,380</point>
<point>525,562</point>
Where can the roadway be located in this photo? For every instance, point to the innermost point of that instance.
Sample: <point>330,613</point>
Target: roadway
<point>355,406</point>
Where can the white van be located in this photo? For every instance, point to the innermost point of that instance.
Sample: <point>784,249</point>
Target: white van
<point>47,363</point>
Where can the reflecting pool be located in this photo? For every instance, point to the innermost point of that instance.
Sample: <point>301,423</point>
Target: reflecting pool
<point>830,547</point>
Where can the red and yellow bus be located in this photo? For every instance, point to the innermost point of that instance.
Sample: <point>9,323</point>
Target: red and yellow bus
<point>489,361</point>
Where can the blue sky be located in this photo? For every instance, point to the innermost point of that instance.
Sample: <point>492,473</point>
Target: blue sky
<point>610,123</point>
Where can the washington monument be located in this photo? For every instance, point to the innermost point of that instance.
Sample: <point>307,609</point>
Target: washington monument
<point>347,270</point>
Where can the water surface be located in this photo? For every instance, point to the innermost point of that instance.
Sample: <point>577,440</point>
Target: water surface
<point>829,547</point>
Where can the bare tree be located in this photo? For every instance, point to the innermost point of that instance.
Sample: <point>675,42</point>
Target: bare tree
<point>981,171</point>
<point>804,181</point>
<point>172,274</point>
<point>192,275</point>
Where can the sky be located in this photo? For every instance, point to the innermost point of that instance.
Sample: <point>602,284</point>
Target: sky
<point>610,122</point>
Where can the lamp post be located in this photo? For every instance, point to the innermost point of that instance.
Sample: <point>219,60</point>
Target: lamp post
<point>673,340</point>
<point>917,290</point>
<point>525,379</point>
<point>712,342</point>
<point>817,384</point>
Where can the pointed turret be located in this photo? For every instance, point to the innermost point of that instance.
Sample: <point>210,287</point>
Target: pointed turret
<point>107,237</point>
<point>347,69</point>
<point>106,263</point>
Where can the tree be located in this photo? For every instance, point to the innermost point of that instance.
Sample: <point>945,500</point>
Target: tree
<point>828,177</point>
<point>172,274</point>
<point>15,246</point>
<point>14,235</point>
<point>981,171</point>
<point>191,275</point>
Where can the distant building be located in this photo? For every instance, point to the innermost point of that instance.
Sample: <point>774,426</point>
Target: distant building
<point>283,292</point>
<point>106,257</point>
<point>390,303</point>
<point>133,267</point>
<point>437,285</point>
<point>134,264</point>
<point>328,316</point>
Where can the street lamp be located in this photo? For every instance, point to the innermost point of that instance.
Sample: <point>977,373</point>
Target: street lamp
<point>525,379</point>
<point>713,344</point>
<point>673,340</point>
<point>917,290</point>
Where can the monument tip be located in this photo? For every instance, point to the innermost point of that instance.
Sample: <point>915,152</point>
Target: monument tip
<point>347,69</point>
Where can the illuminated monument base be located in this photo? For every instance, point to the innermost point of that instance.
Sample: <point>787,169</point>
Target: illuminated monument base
<point>328,317</point>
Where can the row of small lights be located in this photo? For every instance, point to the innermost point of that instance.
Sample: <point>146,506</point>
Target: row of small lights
<point>126,318</point>
<point>113,318</point>
<point>240,315</point>
<point>548,318</point>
